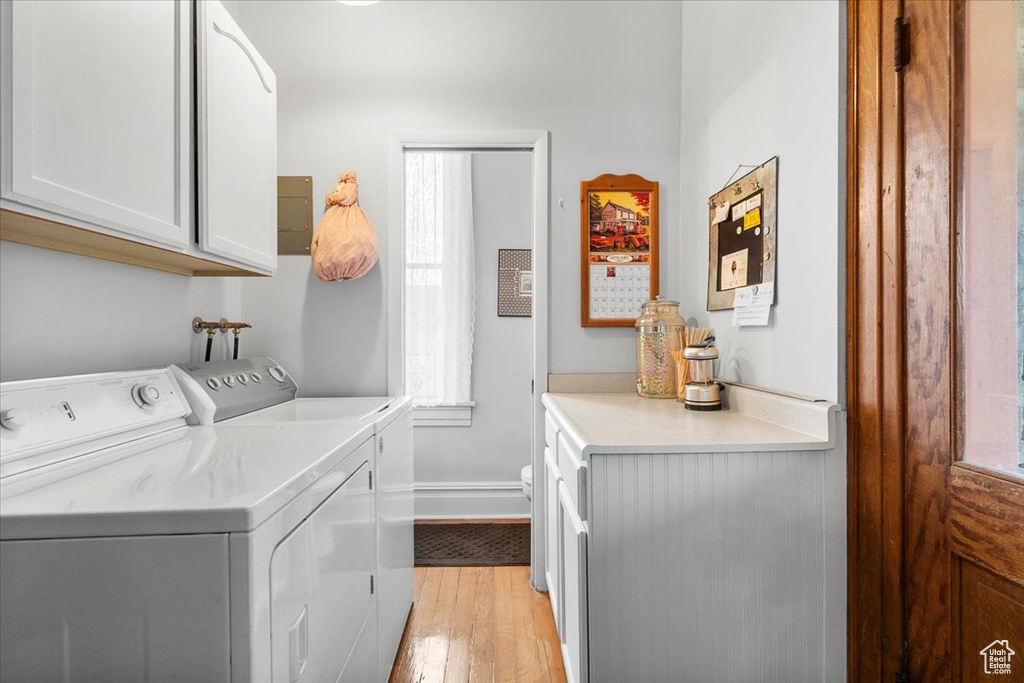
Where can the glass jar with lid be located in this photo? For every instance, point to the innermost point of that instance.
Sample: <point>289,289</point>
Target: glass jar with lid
<point>659,339</point>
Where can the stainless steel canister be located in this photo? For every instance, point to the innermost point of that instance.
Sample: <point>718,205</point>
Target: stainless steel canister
<point>659,338</point>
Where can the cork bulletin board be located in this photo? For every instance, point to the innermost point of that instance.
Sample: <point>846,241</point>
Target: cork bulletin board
<point>743,227</point>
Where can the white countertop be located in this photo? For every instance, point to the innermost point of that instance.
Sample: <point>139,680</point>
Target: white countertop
<point>627,423</point>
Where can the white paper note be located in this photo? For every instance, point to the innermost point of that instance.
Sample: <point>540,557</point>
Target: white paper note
<point>721,213</point>
<point>751,305</point>
<point>734,270</point>
<point>738,210</point>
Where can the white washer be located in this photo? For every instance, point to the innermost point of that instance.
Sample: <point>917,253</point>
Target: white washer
<point>391,421</point>
<point>134,547</point>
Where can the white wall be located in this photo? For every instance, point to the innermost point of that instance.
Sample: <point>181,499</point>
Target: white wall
<point>348,75</point>
<point>777,92</point>
<point>497,445</point>
<point>62,314</point>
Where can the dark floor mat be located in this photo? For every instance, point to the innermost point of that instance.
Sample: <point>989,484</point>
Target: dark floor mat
<point>472,545</point>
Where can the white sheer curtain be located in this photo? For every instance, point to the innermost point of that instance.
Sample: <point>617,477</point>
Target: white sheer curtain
<point>440,287</point>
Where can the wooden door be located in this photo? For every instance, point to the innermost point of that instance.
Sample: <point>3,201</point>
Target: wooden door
<point>935,364</point>
<point>237,111</point>
<point>97,114</point>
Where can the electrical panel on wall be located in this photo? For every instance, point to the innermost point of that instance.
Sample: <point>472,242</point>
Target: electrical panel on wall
<point>294,214</point>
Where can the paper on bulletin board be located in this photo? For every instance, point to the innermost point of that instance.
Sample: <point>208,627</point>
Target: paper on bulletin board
<point>751,305</point>
<point>734,270</point>
<point>721,213</point>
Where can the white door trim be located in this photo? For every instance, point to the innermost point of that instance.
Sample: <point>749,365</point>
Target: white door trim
<point>537,142</point>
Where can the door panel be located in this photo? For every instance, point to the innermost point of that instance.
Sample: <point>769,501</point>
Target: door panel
<point>936,496</point>
<point>987,608</point>
<point>574,590</point>
<point>320,586</point>
<point>237,106</point>
<point>99,113</point>
<point>985,523</point>
<point>552,529</point>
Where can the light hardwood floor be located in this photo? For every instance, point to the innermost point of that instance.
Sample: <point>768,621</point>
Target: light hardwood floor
<point>478,624</point>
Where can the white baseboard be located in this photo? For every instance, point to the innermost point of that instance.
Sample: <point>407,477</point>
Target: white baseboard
<point>471,500</point>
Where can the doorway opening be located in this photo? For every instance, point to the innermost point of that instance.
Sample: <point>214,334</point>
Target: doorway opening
<point>427,154</point>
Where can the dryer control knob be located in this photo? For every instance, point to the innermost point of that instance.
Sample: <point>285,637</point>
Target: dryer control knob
<point>145,395</point>
<point>14,418</point>
<point>277,372</point>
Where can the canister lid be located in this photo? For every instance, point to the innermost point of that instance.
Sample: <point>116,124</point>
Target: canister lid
<point>700,353</point>
<point>659,312</point>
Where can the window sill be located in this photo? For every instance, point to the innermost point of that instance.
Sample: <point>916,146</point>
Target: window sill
<point>443,416</point>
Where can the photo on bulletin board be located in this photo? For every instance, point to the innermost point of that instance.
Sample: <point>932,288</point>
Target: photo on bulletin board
<point>515,283</point>
<point>743,233</point>
<point>618,249</point>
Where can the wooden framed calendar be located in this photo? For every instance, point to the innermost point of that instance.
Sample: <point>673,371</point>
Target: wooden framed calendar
<point>618,248</point>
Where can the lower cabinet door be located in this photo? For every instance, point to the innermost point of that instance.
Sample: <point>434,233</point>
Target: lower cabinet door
<point>394,489</point>
<point>574,590</point>
<point>552,538</point>
<point>320,588</point>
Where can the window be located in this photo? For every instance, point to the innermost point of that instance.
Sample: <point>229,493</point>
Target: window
<point>992,240</point>
<point>439,284</point>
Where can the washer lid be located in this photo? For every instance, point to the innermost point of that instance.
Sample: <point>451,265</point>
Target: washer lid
<point>190,480</point>
<point>376,410</point>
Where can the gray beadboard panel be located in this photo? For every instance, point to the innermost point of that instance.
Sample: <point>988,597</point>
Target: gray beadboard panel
<point>710,567</point>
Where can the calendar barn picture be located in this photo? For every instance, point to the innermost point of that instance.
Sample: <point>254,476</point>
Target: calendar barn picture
<point>619,248</point>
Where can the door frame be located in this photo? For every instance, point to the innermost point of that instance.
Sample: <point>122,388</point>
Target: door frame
<point>538,143</point>
<point>875,390</point>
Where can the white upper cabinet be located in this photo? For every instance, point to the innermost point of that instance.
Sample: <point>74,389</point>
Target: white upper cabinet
<point>97,114</point>
<point>237,109</point>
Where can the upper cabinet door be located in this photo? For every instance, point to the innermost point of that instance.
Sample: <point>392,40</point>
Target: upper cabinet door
<point>97,113</point>
<point>237,110</point>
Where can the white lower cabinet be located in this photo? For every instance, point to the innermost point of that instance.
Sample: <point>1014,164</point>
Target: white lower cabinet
<point>574,590</point>
<point>565,556</point>
<point>712,552</point>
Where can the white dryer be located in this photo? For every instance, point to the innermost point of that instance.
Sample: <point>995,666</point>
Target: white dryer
<point>228,392</point>
<point>134,547</point>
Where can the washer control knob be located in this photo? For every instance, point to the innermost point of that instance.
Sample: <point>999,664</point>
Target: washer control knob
<point>242,379</point>
<point>213,383</point>
<point>14,418</point>
<point>256,377</point>
<point>277,372</point>
<point>145,395</point>
<point>228,380</point>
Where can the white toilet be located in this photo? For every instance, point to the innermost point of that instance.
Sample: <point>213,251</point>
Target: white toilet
<point>526,474</point>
